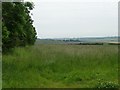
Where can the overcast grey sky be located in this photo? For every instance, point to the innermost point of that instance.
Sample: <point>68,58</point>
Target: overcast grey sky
<point>75,18</point>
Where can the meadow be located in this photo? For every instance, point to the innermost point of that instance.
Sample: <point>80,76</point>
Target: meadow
<point>61,66</point>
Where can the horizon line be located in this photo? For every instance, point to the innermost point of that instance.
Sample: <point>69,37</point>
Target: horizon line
<point>79,37</point>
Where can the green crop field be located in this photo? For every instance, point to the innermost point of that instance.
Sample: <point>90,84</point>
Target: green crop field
<point>61,66</point>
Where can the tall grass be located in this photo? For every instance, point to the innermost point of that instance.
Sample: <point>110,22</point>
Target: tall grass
<point>63,66</point>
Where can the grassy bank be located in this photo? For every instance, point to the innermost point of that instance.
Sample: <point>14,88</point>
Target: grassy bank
<point>76,66</point>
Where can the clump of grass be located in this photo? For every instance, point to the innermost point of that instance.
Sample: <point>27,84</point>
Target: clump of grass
<point>107,84</point>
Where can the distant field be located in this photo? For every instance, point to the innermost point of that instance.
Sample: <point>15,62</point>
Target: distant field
<point>63,66</point>
<point>78,40</point>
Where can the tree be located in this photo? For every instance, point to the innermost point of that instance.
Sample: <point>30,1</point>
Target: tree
<point>17,25</point>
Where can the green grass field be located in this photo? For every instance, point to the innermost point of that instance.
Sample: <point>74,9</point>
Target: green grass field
<point>61,66</point>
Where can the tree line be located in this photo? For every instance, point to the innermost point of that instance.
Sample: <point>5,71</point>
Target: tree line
<point>17,25</point>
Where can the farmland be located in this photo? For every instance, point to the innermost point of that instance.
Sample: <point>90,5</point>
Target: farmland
<point>61,66</point>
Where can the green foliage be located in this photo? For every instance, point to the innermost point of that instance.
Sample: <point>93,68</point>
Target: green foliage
<point>66,66</point>
<point>107,85</point>
<point>17,28</point>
